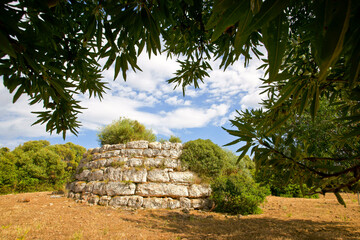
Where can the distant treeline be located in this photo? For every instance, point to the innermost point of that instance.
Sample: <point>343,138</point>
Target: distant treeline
<point>38,166</point>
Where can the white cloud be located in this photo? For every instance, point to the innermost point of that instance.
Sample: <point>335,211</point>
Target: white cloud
<point>176,101</point>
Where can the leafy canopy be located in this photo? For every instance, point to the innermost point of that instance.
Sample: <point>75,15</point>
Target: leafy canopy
<point>124,130</point>
<point>49,50</point>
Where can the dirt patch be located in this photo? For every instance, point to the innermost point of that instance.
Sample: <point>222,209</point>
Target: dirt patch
<point>42,216</point>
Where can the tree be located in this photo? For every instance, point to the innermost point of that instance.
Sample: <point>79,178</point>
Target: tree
<point>124,130</point>
<point>50,52</point>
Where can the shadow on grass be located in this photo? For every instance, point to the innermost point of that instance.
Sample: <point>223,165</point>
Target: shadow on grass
<point>191,227</point>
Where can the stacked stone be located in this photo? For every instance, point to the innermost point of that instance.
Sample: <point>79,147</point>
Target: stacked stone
<point>138,175</point>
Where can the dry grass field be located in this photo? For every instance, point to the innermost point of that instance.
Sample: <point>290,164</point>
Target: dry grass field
<point>41,216</point>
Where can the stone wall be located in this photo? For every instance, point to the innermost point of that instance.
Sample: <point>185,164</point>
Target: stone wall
<point>138,175</point>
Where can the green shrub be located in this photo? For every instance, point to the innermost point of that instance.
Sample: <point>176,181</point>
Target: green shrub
<point>204,157</point>
<point>174,139</point>
<point>124,130</point>
<point>237,193</point>
<point>38,166</point>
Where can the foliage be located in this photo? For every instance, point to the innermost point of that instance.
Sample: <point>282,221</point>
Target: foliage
<point>49,51</point>
<point>174,139</point>
<point>237,193</point>
<point>204,157</point>
<point>124,130</point>
<point>303,151</point>
<point>38,166</point>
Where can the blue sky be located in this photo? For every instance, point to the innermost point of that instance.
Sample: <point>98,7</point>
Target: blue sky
<point>148,98</point>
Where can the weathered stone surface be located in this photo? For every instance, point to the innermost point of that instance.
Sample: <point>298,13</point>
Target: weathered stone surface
<point>182,177</point>
<point>94,199</point>
<point>89,187</point>
<point>154,162</point>
<point>119,188</point>
<point>83,175</point>
<point>161,189</point>
<point>155,145</point>
<point>105,148</point>
<point>113,174</point>
<point>177,146</point>
<point>118,146</point>
<point>185,202</point>
<point>96,150</point>
<point>197,191</point>
<point>138,144</point>
<point>166,145</point>
<point>175,153</point>
<point>155,203</point>
<point>97,175</point>
<point>79,187</point>
<point>135,162</point>
<point>158,175</point>
<point>171,163</point>
<point>197,203</point>
<point>71,194</point>
<point>135,201</point>
<point>165,153</point>
<point>173,203</point>
<point>151,152</point>
<point>119,201</point>
<point>104,200</point>
<point>133,175</point>
<point>99,188</point>
<point>132,152</point>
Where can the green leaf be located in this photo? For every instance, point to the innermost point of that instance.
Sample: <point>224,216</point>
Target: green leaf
<point>340,199</point>
<point>117,67</point>
<point>315,103</point>
<point>6,46</point>
<point>277,124</point>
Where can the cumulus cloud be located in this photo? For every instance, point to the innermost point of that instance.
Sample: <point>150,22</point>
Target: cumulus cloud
<point>148,98</point>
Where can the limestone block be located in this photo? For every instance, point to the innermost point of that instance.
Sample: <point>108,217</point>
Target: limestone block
<point>155,203</point>
<point>158,175</point>
<point>138,144</point>
<point>185,202</point>
<point>197,203</point>
<point>99,188</point>
<point>119,188</point>
<point>113,174</point>
<point>175,153</point>
<point>96,156</point>
<point>172,163</point>
<point>95,150</point>
<point>101,163</point>
<point>177,146</point>
<point>77,196</point>
<point>104,200</point>
<point>85,197</point>
<point>132,152</point>
<point>161,189</point>
<point>83,175</point>
<point>154,162</point>
<point>173,203</point>
<point>135,201</point>
<point>165,153</point>
<point>93,200</point>
<point>182,177</point>
<point>118,146</point>
<point>135,162</point>
<point>197,190</point>
<point>89,187</point>
<point>134,175</point>
<point>97,175</point>
<point>151,152</point>
<point>166,145</point>
<point>119,201</point>
<point>117,162</point>
<point>155,145</point>
<point>79,187</point>
<point>71,194</point>
<point>105,148</point>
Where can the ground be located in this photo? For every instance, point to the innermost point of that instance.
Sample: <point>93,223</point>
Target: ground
<point>42,216</point>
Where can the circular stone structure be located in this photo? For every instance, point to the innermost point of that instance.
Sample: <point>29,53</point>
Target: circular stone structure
<point>138,174</point>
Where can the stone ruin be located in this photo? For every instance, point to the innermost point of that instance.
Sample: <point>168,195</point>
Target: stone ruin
<point>138,175</point>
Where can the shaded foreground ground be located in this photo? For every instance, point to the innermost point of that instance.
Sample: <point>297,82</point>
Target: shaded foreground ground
<point>41,216</point>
